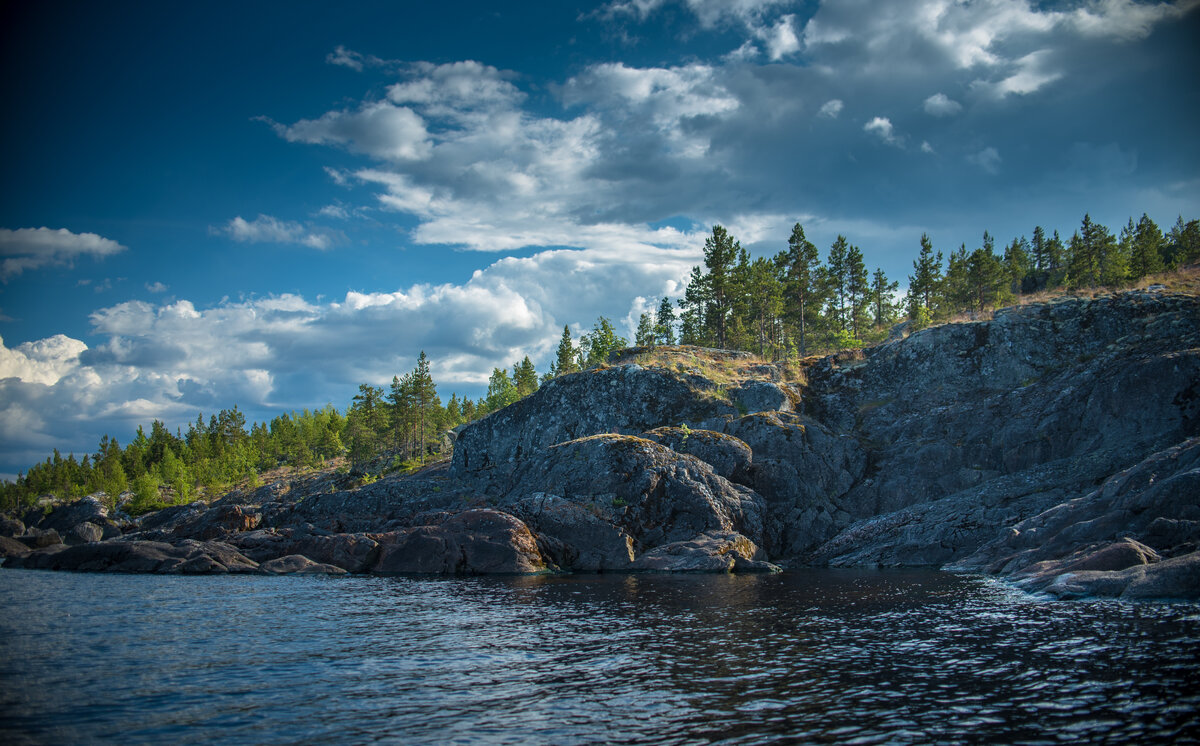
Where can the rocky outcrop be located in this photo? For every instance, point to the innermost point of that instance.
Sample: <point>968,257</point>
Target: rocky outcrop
<point>1055,444</point>
<point>1135,520</point>
<point>627,400</point>
<point>297,564</point>
<point>469,543</point>
<point>184,557</point>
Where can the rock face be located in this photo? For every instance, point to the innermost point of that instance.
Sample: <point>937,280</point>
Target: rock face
<point>470,543</point>
<point>1055,444</point>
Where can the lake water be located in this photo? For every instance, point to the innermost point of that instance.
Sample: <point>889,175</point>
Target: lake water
<point>819,657</point>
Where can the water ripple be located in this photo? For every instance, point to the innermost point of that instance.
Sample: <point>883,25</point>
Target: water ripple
<point>829,657</point>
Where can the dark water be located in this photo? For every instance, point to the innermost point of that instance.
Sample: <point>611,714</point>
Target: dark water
<point>831,656</point>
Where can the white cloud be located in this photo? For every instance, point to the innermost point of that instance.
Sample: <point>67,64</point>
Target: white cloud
<point>781,39</point>
<point>1030,74</point>
<point>156,287</point>
<point>44,362</point>
<point>832,108</point>
<point>268,229</point>
<point>941,105</point>
<point>882,128</point>
<point>926,147</point>
<point>987,159</point>
<point>1126,20</point>
<point>345,58</point>
<point>32,248</point>
<point>169,361</point>
<point>378,129</point>
<point>708,12</point>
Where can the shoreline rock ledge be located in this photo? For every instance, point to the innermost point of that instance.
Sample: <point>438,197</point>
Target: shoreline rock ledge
<point>1056,445</point>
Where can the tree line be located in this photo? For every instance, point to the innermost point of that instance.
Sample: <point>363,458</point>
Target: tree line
<point>794,304</point>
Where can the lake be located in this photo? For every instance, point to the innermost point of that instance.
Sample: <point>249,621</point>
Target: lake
<point>823,656</point>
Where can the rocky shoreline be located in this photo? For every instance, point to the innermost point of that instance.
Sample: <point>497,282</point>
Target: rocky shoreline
<point>1055,445</point>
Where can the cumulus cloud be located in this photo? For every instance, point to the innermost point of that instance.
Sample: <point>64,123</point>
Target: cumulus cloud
<point>1125,19</point>
<point>44,362</point>
<point>941,105</point>
<point>832,108</point>
<point>171,360</point>
<point>33,248</point>
<point>882,128</point>
<point>268,229</point>
<point>156,287</point>
<point>781,39</point>
<point>378,129</point>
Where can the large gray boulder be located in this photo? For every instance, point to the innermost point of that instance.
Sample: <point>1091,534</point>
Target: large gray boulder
<point>469,543</point>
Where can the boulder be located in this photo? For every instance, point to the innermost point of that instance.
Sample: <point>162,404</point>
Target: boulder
<point>573,537</point>
<point>11,527</point>
<point>10,547</point>
<point>215,523</point>
<point>350,552</point>
<point>37,538</point>
<point>711,552</point>
<point>298,564</point>
<point>82,533</point>
<point>473,542</point>
<point>761,396</point>
<point>90,509</point>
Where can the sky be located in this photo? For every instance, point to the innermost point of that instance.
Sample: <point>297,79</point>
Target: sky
<point>266,204</point>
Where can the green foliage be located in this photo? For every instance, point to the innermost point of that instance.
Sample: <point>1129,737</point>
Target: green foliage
<point>594,347</point>
<point>664,323</point>
<point>645,336</point>
<point>145,496</point>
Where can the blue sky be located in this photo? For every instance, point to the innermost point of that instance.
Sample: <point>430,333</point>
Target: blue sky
<point>266,204</point>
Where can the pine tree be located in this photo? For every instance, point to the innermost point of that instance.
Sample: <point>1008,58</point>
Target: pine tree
<point>802,269</point>
<point>1018,265</point>
<point>565,360</point>
<point>956,292</point>
<point>924,284</point>
<point>1183,243</point>
<point>858,291</point>
<point>425,401</point>
<point>710,297</point>
<point>881,298</point>
<point>525,378</point>
<point>837,280</point>
<point>664,323</point>
<point>1145,252</point>
<point>764,295</point>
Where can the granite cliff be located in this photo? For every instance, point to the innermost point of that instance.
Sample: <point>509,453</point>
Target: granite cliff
<point>1055,444</point>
